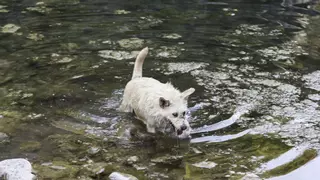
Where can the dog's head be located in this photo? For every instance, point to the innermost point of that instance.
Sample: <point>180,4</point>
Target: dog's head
<point>175,111</point>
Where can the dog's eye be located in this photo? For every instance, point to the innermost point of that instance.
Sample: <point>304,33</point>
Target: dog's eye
<point>184,113</point>
<point>174,114</point>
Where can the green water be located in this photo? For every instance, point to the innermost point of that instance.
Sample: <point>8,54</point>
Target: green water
<point>64,67</point>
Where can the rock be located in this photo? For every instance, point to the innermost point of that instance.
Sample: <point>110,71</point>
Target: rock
<point>57,59</point>
<point>30,146</point>
<point>121,11</point>
<point>3,137</point>
<point>250,176</point>
<point>70,46</point>
<point>121,176</point>
<point>95,168</point>
<point>10,28</point>
<point>118,55</point>
<point>205,164</point>
<point>183,67</point>
<point>16,169</point>
<point>35,36</point>
<point>56,170</point>
<point>39,8</point>
<point>168,52</point>
<point>94,150</point>
<point>3,10</point>
<point>172,160</point>
<point>171,36</point>
<point>148,22</point>
<point>133,159</point>
<point>131,43</point>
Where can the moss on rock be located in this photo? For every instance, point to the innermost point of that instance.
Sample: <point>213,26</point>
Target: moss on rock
<point>30,146</point>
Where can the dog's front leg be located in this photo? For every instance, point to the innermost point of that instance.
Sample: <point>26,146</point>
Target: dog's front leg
<point>151,128</point>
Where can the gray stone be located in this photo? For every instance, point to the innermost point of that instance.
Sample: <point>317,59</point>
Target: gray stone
<point>10,28</point>
<point>121,176</point>
<point>94,150</point>
<point>118,55</point>
<point>16,169</point>
<point>205,164</point>
<point>250,176</point>
<point>3,137</point>
<point>168,160</point>
<point>133,159</point>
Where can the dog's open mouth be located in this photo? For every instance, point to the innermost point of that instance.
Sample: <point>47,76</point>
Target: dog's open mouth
<point>179,131</point>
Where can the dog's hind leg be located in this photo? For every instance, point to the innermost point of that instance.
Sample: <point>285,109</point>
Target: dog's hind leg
<point>124,106</point>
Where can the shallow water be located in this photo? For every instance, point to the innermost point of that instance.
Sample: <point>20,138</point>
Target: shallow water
<point>254,65</point>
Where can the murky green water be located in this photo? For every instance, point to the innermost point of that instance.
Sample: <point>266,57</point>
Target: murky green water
<point>64,64</point>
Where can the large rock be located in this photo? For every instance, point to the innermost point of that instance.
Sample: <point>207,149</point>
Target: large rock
<point>16,169</point>
<point>121,176</point>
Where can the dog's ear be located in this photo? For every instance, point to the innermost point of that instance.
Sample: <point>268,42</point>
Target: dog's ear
<point>163,102</point>
<point>185,94</point>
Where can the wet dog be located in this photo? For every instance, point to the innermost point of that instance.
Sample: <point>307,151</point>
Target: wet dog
<point>160,106</point>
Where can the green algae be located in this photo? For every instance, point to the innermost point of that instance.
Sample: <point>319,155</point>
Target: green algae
<point>30,146</point>
<point>56,170</point>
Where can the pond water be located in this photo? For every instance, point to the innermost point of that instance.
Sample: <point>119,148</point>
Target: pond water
<point>254,64</point>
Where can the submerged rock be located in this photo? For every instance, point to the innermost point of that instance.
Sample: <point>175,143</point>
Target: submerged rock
<point>94,150</point>
<point>57,59</point>
<point>56,170</point>
<point>149,21</point>
<point>205,164</point>
<point>95,168</point>
<point>16,169</point>
<point>118,55</point>
<point>10,28</point>
<point>184,67</point>
<point>3,10</point>
<point>132,160</point>
<point>131,43</point>
<point>171,36</point>
<point>40,7</point>
<point>121,176</point>
<point>251,176</point>
<point>168,52</point>
<point>121,11</point>
<point>172,160</point>
<point>30,146</point>
<point>35,36</point>
<point>3,137</point>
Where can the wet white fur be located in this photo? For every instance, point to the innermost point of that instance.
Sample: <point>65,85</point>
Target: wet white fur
<point>142,95</point>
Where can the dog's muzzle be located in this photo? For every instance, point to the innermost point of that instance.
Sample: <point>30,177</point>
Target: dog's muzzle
<point>180,131</point>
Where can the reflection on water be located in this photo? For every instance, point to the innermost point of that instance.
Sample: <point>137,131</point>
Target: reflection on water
<point>254,65</point>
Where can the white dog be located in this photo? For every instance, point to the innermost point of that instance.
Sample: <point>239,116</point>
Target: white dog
<point>156,104</point>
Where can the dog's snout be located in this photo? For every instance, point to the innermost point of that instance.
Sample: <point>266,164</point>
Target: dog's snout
<point>180,131</point>
<point>183,127</point>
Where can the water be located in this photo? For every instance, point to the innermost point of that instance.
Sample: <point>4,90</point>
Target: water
<point>254,65</point>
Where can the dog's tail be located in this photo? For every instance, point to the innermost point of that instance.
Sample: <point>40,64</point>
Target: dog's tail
<point>137,70</point>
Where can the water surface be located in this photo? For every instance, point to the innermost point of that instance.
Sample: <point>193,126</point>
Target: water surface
<point>254,65</point>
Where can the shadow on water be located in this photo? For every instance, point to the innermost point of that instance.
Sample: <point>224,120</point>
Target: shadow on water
<point>64,65</point>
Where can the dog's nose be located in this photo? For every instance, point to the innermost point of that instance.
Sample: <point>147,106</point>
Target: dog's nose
<point>183,127</point>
